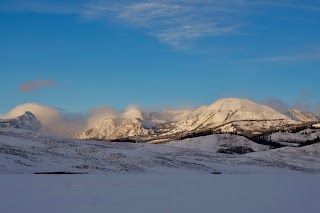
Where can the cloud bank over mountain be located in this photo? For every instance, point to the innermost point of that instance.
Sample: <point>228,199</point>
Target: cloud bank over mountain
<point>58,122</point>
<point>54,121</point>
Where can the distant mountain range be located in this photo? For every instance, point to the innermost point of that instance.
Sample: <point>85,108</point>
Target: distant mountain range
<point>229,115</point>
<point>129,124</point>
<point>259,138</point>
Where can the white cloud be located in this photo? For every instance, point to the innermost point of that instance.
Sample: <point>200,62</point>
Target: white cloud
<point>98,114</point>
<point>171,22</point>
<point>56,122</point>
<point>176,37</point>
<point>144,14</point>
<point>45,113</point>
<point>63,124</point>
<point>53,120</point>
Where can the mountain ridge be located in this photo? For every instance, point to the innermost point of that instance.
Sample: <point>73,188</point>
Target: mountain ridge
<point>302,116</point>
<point>228,115</point>
<point>223,112</point>
<point>229,110</point>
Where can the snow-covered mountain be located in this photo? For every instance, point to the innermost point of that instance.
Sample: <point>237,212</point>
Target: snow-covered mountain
<point>133,124</point>
<point>241,112</point>
<point>26,121</point>
<point>229,115</point>
<point>299,115</point>
<point>177,115</point>
<point>132,113</point>
<point>129,124</point>
<point>158,120</point>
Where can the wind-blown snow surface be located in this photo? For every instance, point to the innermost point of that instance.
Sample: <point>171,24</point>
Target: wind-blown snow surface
<point>213,143</point>
<point>159,193</point>
<point>295,138</point>
<point>26,152</point>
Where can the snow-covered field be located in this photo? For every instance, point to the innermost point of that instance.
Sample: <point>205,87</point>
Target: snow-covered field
<point>317,125</point>
<point>159,193</point>
<point>295,139</point>
<point>128,177</point>
<point>27,152</point>
<point>214,143</point>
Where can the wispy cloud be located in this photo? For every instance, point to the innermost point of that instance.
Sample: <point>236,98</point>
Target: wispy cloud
<point>310,6</point>
<point>60,122</point>
<point>172,22</point>
<point>177,36</point>
<point>292,58</point>
<point>35,85</point>
<point>179,22</point>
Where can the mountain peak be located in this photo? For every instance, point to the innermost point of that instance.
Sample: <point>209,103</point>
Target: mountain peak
<point>132,112</point>
<point>28,114</point>
<point>233,100</point>
<point>235,103</point>
<point>26,121</point>
<point>239,114</point>
<point>229,110</point>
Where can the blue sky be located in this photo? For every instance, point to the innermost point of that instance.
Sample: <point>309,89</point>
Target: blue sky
<point>77,55</point>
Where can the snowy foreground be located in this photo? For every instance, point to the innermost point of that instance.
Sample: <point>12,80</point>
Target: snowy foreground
<point>160,193</point>
<point>27,152</point>
<point>128,177</point>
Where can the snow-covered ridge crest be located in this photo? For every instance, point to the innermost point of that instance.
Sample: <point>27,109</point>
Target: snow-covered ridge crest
<point>132,112</point>
<point>302,116</point>
<point>129,124</point>
<point>177,115</point>
<point>27,121</point>
<point>231,110</point>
